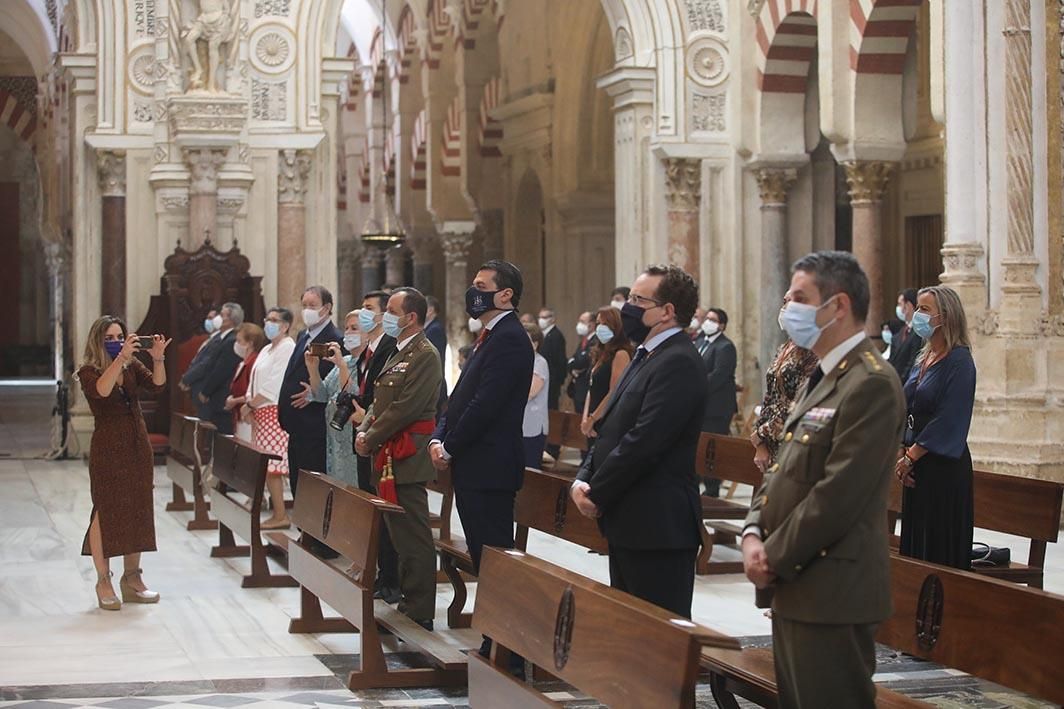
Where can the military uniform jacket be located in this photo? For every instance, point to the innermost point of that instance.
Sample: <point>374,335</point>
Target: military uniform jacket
<point>822,509</point>
<point>406,391</point>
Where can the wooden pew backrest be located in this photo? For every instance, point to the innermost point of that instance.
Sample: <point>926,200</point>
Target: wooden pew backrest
<point>183,439</point>
<point>727,458</point>
<point>992,629</point>
<point>322,499</point>
<point>543,503</point>
<point>617,648</point>
<point>239,464</point>
<point>563,429</point>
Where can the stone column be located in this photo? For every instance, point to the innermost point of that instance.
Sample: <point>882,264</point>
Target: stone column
<point>372,257</point>
<point>1021,302</point>
<point>203,164</point>
<point>457,241</point>
<point>395,265</point>
<point>868,181</point>
<point>420,240</point>
<point>56,261</point>
<point>293,171</point>
<point>111,170</point>
<point>491,225</point>
<point>683,192</point>
<point>348,295</point>
<point>773,185</point>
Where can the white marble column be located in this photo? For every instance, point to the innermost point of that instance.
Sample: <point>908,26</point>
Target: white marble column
<point>203,165</point>
<point>773,185</point>
<point>293,171</point>
<point>868,180</point>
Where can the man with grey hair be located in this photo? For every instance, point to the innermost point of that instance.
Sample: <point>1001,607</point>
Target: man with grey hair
<point>220,360</point>
<point>814,536</point>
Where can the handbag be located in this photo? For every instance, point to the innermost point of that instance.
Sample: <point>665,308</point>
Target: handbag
<point>985,555</point>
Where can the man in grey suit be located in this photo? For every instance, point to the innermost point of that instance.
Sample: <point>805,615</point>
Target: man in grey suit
<point>718,354</point>
<point>814,534</point>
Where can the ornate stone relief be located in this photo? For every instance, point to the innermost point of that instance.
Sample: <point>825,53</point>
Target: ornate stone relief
<point>175,203</point>
<point>867,179</point>
<point>142,70</point>
<point>142,112</point>
<point>161,153</point>
<point>293,169</point>
<point>220,115</point>
<point>143,17</point>
<point>986,323</point>
<point>622,43</point>
<point>269,100</point>
<point>707,61</point>
<point>203,165</point>
<point>773,184</point>
<point>705,15</point>
<point>111,171</point>
<point>272,49</point>
<point>456,246</point>
<point>683,183</point>
<point>708,112</point>
<point>1052,325</point>
<point>217,28</point>
<point>1018,127</point>
<point>280,8</point>
<point>754,7</point>
<point>230,205</point>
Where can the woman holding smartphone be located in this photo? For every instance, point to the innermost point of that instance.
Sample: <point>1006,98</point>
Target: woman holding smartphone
<point>122,522</point>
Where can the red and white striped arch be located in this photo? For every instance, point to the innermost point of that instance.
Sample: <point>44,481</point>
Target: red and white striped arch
<point>786,39</point>
<point>439,27</point>
<point>417,152</point>
<point>451,154</point>
<point>17,117</point>
<point>354,85</point>
<point>341,183</point>
<point>490,129</point>
<point>879,34</point>
<point>407,43</point>
<point>472,14</point>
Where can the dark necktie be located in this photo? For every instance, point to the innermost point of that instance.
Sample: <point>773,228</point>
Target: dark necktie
<point>815,378</point>
<point>481,338</point>
<point>637,361</point>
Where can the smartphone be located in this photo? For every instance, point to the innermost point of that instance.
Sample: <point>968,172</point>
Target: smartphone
<point>146,341</point>
<point>318,349</point>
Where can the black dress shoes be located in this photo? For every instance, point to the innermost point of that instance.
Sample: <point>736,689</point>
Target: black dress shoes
<point>388,594</point>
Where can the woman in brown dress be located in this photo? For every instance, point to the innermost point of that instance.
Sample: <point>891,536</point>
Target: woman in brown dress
<point>122,522</point>
<point>784,383</point>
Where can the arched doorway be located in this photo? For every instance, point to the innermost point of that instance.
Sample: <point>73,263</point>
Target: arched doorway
<point>530,244</point>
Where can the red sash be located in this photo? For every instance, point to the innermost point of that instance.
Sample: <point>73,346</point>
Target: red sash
<point>398,447</point>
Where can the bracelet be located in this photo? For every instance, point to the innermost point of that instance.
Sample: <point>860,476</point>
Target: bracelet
<point>158,359</point>
<point>907,459</point>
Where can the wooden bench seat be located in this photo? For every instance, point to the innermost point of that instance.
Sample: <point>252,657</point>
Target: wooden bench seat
<point>349,521</point>
<point>240,467</point>
<point>543,504</point>
<point>729,459</point>
<point>189,437</point>
<point>1009,504</point>
<point>608,644</point>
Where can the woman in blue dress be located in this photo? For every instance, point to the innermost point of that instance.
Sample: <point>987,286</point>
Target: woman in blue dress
<point>340,460</point>
<point>935,464</point>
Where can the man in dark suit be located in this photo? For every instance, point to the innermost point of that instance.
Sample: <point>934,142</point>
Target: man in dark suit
<point>906,345</point>
<point>638,479</point>
<point>379,349</point>
<point>303,420</point>
<point>216,363</point>
<point>718,354</point>
<point>479,437</point>
<point>434,329</point>
<point>553,350</point>
<point>579,364</point>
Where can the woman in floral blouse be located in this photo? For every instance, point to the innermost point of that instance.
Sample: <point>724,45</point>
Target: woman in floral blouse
<point>784,382</point>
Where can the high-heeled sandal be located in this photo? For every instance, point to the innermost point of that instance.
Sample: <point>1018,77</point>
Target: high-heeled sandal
<point>132,595</point>
<point>107,603</point>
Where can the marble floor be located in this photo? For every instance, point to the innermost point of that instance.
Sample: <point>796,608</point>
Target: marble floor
<point>209,642</point>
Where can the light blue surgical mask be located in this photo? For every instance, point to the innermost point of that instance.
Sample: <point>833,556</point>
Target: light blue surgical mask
<point>603,334</point>
<point>799,322</point>
<point>900,312</point>
<point>391,325</point>
<point>352,342</point>
<point>271,329</point>
<point>921,325</point>
<point>367,320</point>
<point>888,336</point>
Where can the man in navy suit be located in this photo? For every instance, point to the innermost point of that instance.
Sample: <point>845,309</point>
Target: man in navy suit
<point>479,437</point>
<point>719,356</point>
<point>434,329</point>
<point>638,479</point>
<point>209,375</point>
<point>305,420</point>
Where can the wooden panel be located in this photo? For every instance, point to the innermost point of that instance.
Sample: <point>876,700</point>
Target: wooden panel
<point>610,630</point>
<point>727,458</point>
<point>183,438</point>
<point>490,687</point>
<point>181,474</point>
<point>331,585</point>
<point>563,429</point>
<point>543,503</point>
<point>241,465</point>
<point>991,629</point>
<point>233,515</point>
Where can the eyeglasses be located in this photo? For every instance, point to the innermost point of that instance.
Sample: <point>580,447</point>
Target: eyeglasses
<point>634,299</point>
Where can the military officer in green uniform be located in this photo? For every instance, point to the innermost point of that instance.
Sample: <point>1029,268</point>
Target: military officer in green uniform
<point>814,539</point>
<point>395,433</point>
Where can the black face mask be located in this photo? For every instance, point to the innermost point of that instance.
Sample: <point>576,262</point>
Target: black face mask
<point>632,322</point>
<point>478,302</point>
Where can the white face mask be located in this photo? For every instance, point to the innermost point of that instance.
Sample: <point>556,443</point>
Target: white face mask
<point>311,317</point>
<point>544,323</point>
<point>240,350</point>
<point>582,329</point>
<point>694,324</point>
<point>475,325</point>
<point>352,341</point>
<point>617,304</point>
<point>710,327</point>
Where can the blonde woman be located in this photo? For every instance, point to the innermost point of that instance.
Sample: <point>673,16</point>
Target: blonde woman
<point>935,464</point>
<point>122,522</point>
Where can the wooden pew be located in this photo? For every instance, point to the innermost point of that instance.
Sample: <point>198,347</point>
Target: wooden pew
<point>563,430</point>
<point>241,467</point>
<point>1010,504</point>
<point>183,468</point>
<point>543,504</point>
<point>619,649</point>
<point>349,521</point>
<point>988,628</point>
<point>726,458</point>
<point>442,521</point>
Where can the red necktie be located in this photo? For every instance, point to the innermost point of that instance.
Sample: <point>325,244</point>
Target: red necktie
<point>481,338</point>
<point>365,372</point>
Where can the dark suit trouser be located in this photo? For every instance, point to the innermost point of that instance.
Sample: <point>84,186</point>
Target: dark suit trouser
<point>820,665</point>
<point>664,577</point>
<point>387,558</point>
<point>720,425</point>
<point>306,451</point>
<point>554,396</point>
<point>412,537</point>
<point>487,519</point>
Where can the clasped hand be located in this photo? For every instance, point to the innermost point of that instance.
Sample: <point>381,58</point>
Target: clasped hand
<point>440,463</point>
<point>361,446</point>
<point>579,493</point>
<point>755,562</point>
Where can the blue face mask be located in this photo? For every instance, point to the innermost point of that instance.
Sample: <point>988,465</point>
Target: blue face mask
<point>603,334</point>
<point>113,347</point>
<point>391,325</point>
<point>900,312</point>
<point>799,321</point>
<point>888,336</point>
<point>272,329</point>
<point>367,320</point>
<point>921,325</point>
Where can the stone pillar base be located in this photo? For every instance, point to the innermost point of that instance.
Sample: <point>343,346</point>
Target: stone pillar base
<point>1021,297</point>
<point>961,272</point>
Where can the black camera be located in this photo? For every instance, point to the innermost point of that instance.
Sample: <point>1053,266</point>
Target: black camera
<point>345,406</point>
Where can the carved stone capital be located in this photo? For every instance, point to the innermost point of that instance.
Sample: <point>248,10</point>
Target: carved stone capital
<point>293,171</point>
<point>111,171</point>
<point>773,184</point>
<point>456,246</point>
<point>683,184</point>
<point>203,164</point>
<point>867,179</point>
